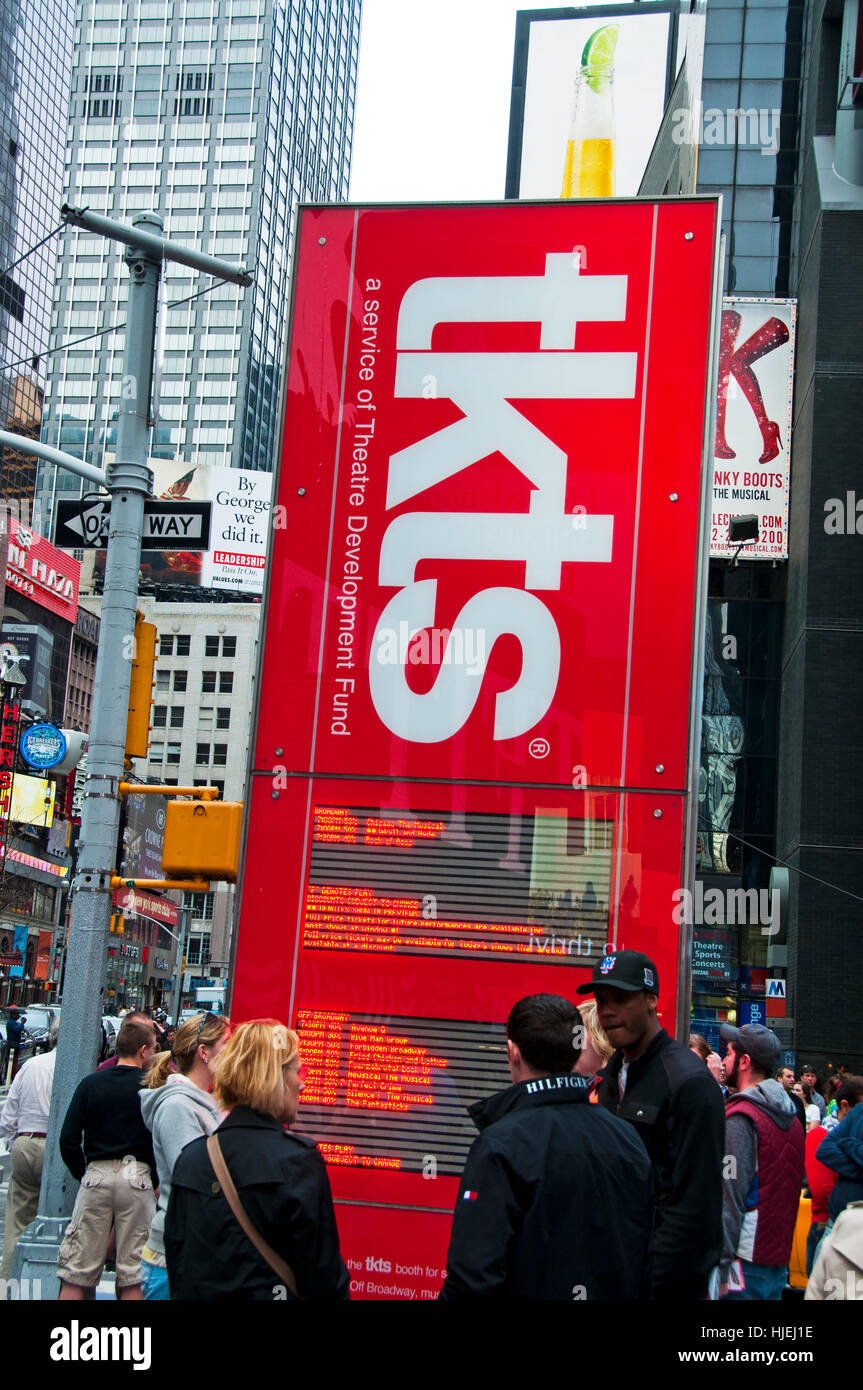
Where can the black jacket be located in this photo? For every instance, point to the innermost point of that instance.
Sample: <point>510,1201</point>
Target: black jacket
<point>283,1185</point>
<point>555,1200</point>
<point>676,1107</point>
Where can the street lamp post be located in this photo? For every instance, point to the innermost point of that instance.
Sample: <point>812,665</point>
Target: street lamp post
<point>129,481</point>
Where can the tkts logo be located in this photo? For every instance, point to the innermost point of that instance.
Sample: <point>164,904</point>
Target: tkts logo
<point>484,385</point>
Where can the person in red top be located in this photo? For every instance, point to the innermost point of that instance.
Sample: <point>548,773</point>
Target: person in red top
<point>820,1180</point>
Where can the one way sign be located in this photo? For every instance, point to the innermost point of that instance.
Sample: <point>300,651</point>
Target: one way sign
<point>167,525</point>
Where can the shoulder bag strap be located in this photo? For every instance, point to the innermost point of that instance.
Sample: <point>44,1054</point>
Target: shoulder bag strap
<point>275,1261</point>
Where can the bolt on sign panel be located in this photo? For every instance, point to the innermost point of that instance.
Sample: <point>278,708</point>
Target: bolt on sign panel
<point>472,756</point>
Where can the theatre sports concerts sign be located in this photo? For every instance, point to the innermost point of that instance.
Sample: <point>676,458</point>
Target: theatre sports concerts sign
<point>752,445</point>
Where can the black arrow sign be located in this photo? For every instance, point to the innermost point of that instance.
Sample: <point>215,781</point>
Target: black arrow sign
<point>167,525</point>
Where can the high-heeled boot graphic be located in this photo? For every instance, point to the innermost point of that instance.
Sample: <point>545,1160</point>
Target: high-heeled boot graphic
<point>728,333</point>
<point>771,335</point>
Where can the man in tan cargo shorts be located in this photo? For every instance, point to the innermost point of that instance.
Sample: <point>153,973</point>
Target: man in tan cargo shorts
<point>105,1143</point>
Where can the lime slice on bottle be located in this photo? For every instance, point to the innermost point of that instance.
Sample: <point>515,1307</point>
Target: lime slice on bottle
<point>597,60</point>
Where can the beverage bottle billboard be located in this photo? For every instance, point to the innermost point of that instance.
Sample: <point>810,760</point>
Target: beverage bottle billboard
<point>588,170</point>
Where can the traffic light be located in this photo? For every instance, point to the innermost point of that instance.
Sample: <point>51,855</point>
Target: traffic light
<point>140,690</point>
<point>202,839</point>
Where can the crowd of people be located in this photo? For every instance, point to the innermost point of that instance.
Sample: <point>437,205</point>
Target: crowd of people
<point>620,1164</point>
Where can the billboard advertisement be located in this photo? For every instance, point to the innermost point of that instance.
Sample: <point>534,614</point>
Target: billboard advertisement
<point>41,572</point>
<point>752,448</point>
<point>36,645</point>
<point>240,501</point>
<point>463,764</point>
<point>588,96</point>
<point>32,800</point>
<point>143,836</point>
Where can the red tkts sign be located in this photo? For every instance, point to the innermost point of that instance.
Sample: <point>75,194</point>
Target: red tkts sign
<point>470,766</point>
<point>479,497</point>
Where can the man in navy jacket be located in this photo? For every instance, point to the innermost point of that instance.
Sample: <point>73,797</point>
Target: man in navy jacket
<point>556,1196</point>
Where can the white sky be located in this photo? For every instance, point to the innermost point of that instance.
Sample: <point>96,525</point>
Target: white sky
<point>433,92</point>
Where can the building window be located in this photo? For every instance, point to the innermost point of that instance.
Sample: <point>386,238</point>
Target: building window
<point>208,682</point>
<point>177,716</point>
<point>193,106</point>
<point>201,905</point>
<point>180,680</point>
<point>173,753</point>
<point>156,753</point>
<point>166,645</point>
<point>223,718</point>
<point>162,680</point>
<point>226,682</point>
<point>211,646</point>
<point>184,646</point>
<point>229,646</point>
<point>198,952</point>
<point>220,755</point>
<point>160,716</point>
<point>202,755</point>
<point>205,719</point>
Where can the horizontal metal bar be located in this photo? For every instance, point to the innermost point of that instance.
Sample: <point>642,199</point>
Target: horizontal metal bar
<point>167,885</point>
<point>52,455</point>
<point>158,246</point>
<point>201,793</point>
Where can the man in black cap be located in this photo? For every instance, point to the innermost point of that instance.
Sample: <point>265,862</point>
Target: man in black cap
<point>763,1171</point>
<point>556,1196</point>
<point>672,1101</point>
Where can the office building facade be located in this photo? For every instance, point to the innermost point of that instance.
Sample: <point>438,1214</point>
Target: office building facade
<point>201,713</point>
<point>219,115</point>
<point>35,70</point>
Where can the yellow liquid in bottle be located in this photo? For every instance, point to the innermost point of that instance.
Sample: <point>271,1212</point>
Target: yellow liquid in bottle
<point>588,171</point>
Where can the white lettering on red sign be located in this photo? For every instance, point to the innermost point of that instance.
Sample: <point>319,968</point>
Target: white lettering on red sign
<point>483,386</point>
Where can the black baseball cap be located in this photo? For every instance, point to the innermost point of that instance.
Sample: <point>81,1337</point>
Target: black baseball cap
<point>627,970</point>
<point>757,1042</point>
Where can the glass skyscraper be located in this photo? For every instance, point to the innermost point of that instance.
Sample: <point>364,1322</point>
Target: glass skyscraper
<point>220,115</point>
<point>35,68</point>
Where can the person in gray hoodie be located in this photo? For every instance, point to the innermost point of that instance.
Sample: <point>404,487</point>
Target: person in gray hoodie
<point>762,1169</point>
<point>177,1107</point>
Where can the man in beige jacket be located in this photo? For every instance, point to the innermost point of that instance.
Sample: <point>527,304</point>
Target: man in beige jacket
<point>838,1271</point>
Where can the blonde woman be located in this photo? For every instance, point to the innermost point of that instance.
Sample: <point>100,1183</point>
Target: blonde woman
<point>264,1229</point>
<point>596,1049</point>
<point>177,1107</point>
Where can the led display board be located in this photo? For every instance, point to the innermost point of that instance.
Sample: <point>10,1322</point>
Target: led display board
<point>475,744</point>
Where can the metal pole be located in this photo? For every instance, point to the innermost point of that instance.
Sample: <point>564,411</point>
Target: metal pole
<point>182,948</point>
<point>129,482</point>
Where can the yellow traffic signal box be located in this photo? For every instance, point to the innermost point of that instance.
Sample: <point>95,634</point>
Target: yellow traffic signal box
<point>140,690</point>
<point>202,838</point>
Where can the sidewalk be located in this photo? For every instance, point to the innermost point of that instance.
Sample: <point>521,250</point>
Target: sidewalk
<point>106,1287</point>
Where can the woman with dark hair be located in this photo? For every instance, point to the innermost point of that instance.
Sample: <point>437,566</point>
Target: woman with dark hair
<point>177,1107</point>
<point>250,1214</point>
<point>715,1065</point>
